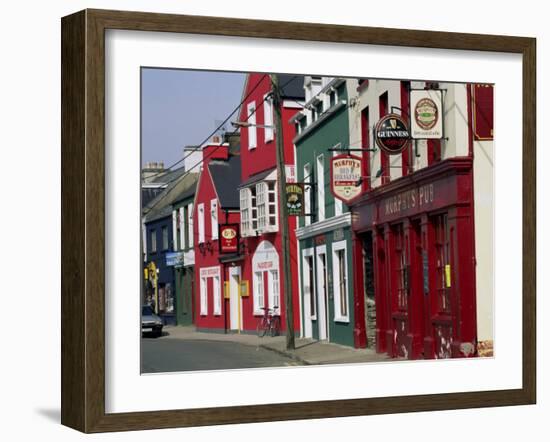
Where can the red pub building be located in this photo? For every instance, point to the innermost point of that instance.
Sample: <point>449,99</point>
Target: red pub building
<point>423,243</point>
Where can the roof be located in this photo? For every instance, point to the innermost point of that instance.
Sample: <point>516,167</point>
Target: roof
<point>187,193</point>
<point>161,205</point>
<point>292,86</point>
<point>168,175</point>
<point>226,176</point>
<point>256,178</point>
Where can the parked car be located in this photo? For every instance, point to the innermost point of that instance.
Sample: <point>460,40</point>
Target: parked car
<point>150,322</point>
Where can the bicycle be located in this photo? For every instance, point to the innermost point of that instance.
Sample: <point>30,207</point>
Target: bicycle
<point>269,323</point>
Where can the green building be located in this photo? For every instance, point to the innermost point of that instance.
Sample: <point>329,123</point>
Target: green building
<point>324,237</point>
<point>184,256</point>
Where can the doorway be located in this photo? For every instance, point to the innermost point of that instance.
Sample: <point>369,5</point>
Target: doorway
<point>368,290</point>
<point>235,307</point>
<point>322,293</point>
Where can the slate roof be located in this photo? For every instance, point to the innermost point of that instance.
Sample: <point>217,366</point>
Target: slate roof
<point>226,176</point>
<point>256,178</point>
<point>161,205</point>
<point>292,86</point>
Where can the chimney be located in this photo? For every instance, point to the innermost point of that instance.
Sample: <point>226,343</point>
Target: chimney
<point>215,152</point>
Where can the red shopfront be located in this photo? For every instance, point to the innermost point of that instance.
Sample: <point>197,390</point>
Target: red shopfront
<point>414,239</point>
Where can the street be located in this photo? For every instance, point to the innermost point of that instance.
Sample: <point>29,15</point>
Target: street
<point>166,354</point>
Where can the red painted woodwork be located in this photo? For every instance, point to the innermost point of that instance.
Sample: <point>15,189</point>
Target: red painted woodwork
<point>384,160</point>
<point>365,142</point>
<point>359,330</point>
<point>405,110</point>
<point>403,218</point>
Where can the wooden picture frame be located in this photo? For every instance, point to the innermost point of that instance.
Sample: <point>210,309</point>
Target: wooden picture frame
<point>83,220</point>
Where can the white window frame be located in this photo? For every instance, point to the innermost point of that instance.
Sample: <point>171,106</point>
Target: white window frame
<point>259,294</point>
<point>274,293</point>
<point>182,228</point>
<point>244,198</point>
<point>190,224</point>
<point>174,231</point>
<point>214,218</point>
<point>217,295</point>
<point>204,296</point>
<point>153,236</point>
<point>336,247</point>
<point>320,175</point>
<point>200,215</point>
<point>268,119</point>
<point>252,129</point>
<point>266,209</point>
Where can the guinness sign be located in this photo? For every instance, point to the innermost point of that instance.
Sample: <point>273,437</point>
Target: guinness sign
<point>392,134</point>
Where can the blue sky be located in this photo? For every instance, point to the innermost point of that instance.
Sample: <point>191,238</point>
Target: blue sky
<point>182,107</point>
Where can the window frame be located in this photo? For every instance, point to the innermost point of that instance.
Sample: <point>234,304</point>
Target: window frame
<point>252,128</point>
<point>201,226</point>
<point>339,298</point>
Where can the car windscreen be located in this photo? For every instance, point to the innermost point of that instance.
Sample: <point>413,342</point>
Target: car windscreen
<point>146,310</point>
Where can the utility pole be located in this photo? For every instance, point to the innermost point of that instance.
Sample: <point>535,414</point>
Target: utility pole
<point>283,214</point>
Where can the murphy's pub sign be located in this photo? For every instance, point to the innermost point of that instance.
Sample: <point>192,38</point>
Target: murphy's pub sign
<point>345,177</point>
<point>229,238</point>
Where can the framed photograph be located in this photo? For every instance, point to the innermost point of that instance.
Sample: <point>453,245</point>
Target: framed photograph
<point>268,221</point>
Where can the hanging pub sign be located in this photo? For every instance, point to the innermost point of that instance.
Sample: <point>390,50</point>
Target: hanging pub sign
<point>483,111</point>
<point>295,199</point>
<point>392,134</point>
<point>426,114</point>
<point>345,177</point>
<point>229,238</point>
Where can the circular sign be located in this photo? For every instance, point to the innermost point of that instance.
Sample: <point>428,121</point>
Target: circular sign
<point>425,113</point>
<point>392,134</point>
<point>229,233</point>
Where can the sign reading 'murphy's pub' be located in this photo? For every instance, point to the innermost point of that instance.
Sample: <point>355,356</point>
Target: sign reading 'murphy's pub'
<point>345,177</point>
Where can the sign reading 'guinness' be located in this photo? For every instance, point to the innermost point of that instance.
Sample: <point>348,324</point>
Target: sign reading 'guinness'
<point>392,134</point>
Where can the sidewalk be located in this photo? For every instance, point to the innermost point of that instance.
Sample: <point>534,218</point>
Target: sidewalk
<point>307,352</point>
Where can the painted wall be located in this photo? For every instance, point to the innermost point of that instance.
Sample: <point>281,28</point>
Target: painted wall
<point>315,141</point>
<point>209,257</point>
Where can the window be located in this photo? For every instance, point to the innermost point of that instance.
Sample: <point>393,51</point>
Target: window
<point>214,218</point>
<point>165,238</point>
<point>204,298</point>
<point>217,295</point>
<point>190,224</point>
<point>268,119</point>
<point>320,188</point>
<point>266,203</point>
<point>249,221</point>
<point>181,227</point>
<point>340,277</point>
<point>307,194</point>
<point>275,297</point>
<point>153,242</point>
<point>175,230</point>
<point>384,160</point>
<point>201,223</point>
<point>365,142</point>
<point>402,258</point>
<point>310,288</point>
<point>332,97</point>
<point>442,263</point>
<point>251,119</point>
<point>258,292</point>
